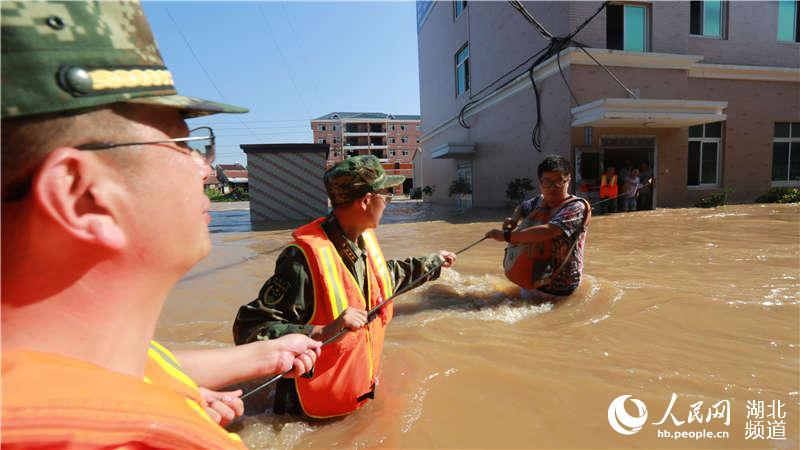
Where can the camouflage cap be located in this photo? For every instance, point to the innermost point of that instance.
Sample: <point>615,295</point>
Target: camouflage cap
<point>63,56</point>
<point>356,176</point>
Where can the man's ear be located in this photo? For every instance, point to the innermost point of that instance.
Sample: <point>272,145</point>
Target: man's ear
<point>74,190</point>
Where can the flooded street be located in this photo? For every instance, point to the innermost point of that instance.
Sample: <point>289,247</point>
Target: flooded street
<point>702,303</point>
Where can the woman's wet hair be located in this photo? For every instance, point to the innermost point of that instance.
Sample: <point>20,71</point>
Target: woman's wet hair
<point>554,163</point>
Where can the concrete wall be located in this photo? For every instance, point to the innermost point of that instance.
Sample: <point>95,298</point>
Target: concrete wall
<point>286,185</point>
<point>752,38</point>
<point>753,109</point>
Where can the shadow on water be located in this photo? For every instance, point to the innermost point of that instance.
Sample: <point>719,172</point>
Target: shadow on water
<point>230,221</point>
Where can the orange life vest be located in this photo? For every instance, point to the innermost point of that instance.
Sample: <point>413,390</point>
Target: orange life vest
<point>51,400</point>
<point>532,266</point>
<point>345,372</point>
<point>608,188</point>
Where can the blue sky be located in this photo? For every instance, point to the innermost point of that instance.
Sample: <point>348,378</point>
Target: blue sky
<point>288,62</point>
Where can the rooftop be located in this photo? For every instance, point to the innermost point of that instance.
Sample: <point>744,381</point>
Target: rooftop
<point>367,115</point>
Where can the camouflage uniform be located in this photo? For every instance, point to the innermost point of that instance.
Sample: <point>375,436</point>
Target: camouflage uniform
<point>285,303</point>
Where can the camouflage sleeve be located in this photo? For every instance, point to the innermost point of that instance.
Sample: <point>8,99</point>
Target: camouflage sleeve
<point>570,218</point>
<point>284,304</point>
<point>404,272</point>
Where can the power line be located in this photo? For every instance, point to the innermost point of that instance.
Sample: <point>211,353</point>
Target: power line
<point>300,44</point>
<point>248,121</point>
<point>554,48</point>
<point>283,58</point>
<point>197,59</point>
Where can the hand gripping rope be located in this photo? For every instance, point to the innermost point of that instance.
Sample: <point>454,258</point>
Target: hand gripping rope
<point>371,314</point>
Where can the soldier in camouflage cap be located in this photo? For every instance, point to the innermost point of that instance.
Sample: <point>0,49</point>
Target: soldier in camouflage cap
<point>103,212</point>
<point>356,176</point>
<point>62,56</point>
<point>315,293</point>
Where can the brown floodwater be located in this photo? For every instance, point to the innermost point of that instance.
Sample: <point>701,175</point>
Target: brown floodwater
<point>702,303</point>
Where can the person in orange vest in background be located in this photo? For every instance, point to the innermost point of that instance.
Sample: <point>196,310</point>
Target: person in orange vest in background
<point>326,281</point>
<point>94,237</point>
<point>609,189</point>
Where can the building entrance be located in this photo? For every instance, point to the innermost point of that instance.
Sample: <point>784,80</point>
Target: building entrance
<point>623,154</point>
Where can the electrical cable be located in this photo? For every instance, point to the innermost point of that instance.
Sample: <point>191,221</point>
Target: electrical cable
<point>554,48</point>
<point>197,59</point>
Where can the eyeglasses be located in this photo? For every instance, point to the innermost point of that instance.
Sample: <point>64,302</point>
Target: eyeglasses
<point>549,184</point>
<point>200,140</point>
<point>386,195</point>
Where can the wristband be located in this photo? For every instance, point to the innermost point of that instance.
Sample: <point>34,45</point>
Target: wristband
<point>507,235</point>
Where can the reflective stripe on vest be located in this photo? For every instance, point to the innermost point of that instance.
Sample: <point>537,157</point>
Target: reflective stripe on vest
<point>333,281</point>
<point>51,400</point>
<point>380,262</point>
<point>347,368</point>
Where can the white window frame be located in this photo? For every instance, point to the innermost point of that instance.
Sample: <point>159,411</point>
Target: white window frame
<point>789,140</point>
<point>391,140</point>
<point>404,139</point>
<point>391,127</point>
<point>723,25</point>
<point>701,140</point>
<point>321,127</point>
<point>456,12</point>
<point>335,140</point>
<point>321,141</point>
<point>796,37</point>
<point>402,128</point>
<point>464,64</point>
<point>392,153</point>
<point>648,24</point>
<point>404,152</point>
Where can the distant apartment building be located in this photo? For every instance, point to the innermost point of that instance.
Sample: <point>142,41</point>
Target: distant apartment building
<point>714,101</point>
<point>394,139</point>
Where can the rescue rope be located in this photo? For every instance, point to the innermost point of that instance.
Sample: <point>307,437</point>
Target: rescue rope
<point>371,314</point>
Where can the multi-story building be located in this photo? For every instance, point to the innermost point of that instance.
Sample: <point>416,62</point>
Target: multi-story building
<point>394,139</point>
<point>711,96</point>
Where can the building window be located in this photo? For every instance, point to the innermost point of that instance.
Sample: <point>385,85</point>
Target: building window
<point>391,127</point>
<point>402,128</point>
<point>417,140</point>
<point>321,127</point>
<point>789,21</point>
<point>391,140</point>
<point>462,70</point>
<point>404,153</point>
<point>627,27</point>
<point>786,152</point>
<point>321,141</point>
<point>708,18</point>
<point>704,145</point>
<point>458,8</point>
<point>418,128</point>
<point>335,140</point>
<point>391,153</point>
<point>403,139</point>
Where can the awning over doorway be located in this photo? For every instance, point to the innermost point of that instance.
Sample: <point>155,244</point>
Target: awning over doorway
<point>647,113</point>
<point>453,151</point>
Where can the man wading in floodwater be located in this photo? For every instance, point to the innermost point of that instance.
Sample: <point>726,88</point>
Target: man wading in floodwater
<point>545,252</point>
<point>326,281</point>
